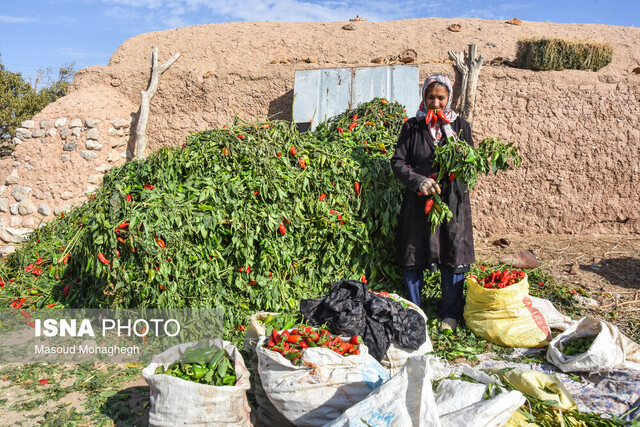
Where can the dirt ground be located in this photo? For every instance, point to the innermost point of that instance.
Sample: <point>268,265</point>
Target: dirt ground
<point>606,268</point>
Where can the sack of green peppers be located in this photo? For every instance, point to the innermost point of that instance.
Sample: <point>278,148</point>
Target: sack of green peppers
<point>195,383</point>
<point>322,384</point>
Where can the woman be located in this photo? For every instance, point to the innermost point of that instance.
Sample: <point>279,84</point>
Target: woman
<point>450,248</point>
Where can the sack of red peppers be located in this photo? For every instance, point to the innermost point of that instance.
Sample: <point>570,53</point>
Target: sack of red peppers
<point>499,309</point>
<point>205,384</point>
<point>312,376</point>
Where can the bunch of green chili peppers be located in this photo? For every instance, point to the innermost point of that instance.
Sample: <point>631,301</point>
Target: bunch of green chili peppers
<point>207,365</point>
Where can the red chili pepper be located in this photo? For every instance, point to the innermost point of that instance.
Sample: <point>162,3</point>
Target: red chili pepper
<point>278,154</point>
<point>433,176</point>
<point>160,242</point>
<point>293,150</point>
<point>341,131</point>
<point>225,151</point>
<point>124,225</point>
<point>241,136</point>
<point>352,126</point>
<point>430,117</point>
<point>405,120</point>
<point>103,259</point>
<point>357,186</point>
<point>363,278</point>
<point>441,116</point>
<point>428,205</point>
<point>241,328</point>
<point>322,197</point>
<point>129,198</point>
<point>51,305</point>
<point>44,381</point>
<point>121,240</point>
<point>36,271</point>
<point>452,177</point>
<point>29,267</point>
<point>248,269</point>
<point>355,117</point>
<point>282,229</point>
<point>303,165</point>
<point>384,102</point>
<point>420,193</point>
<point>149,187</point>
<point>66,290</point>
<point>39,261</point>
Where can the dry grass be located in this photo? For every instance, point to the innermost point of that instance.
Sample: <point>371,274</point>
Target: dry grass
<point>561,54</point>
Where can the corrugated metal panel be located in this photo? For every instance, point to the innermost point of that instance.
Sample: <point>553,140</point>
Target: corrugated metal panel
<point>324,93</point>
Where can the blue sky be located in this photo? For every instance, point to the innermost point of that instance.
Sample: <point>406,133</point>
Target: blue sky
<point>36,34</point>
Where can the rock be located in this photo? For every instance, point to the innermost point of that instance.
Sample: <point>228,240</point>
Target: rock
<point>15,221</point>
<point>51,132</point>
<point>16,164</point>
<point>574,268</point>
<point>23,134</point>
<point>126,154</point>
<point>13,208</point>
<point>378,60</point>
<point>91,188</point>
<point>113,157</point>
<point>349,27</point>
<point>38,133</point>
<point>91,123</point>
<point>514,21</point>
<point>16,141</point>
<point>95,179</point>
<point>103,168</point>
<point>28,166</point>
<point>29,223</point>
<point>4,204</point>
<point>13,178</point>
<point>64,133</point>
<point>407,56</point>
<point>117,142</point>
<point>60,122</point>
<point>44,210</point>
<point>491,45</point>
<point>524,259</point>
<point>59,209</point>
<point>88,155</point>
<point>93,133</point>
<point>120,132</point>
<point>21,192</point>
<point>69,146</point>
<point>112,131</point>
<point>357,18</point>
<point>41,195</point>
<point>120,123</point>
<point>75,123</point>
<point>93,145</point>
<point>456,28</point>
<point>29,124</point>
<point>2,189</point>
<point>67,195</point>
<point>64,158</point>
<point>77,132</point>
<point>274,61</point>
<point>26,208</point>
<point>585,302</point>
<point>44,124</point>
<point>13,235</point>
<point>636,70</point>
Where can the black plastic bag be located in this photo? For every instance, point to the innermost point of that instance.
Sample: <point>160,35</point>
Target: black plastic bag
<point>351,309</point>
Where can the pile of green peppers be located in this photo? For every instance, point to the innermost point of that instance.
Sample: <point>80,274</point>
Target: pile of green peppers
<point>202,365</point>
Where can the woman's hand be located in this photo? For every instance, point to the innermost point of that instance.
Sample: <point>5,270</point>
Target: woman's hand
<point>429,187</point>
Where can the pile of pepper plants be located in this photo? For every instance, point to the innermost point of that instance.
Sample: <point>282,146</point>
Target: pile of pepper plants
<point>251,217</point>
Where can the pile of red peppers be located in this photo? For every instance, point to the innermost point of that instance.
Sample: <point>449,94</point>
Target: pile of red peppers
<point>291,343</point>
<point>500,279</point>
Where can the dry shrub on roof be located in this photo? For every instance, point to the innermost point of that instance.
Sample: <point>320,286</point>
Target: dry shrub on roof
<point>561,54</point>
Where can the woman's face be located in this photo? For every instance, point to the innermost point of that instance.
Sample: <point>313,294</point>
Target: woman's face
<point>437,98</point>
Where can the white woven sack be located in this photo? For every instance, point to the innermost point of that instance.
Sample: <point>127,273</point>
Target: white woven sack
<point>396,356</point>
<point>610,350</point>
<point>322,387</point>
<point>405,400</point>
<point>175,401</point>
<point>453,395</point>
<point>494,412</point>
<point>554,318</point>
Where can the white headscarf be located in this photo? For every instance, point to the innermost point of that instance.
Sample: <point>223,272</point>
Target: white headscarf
<point>435,129</point>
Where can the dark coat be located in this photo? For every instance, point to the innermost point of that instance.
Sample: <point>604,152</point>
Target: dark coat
<point>412,162</point>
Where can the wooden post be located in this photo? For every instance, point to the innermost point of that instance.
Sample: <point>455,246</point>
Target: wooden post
<point>469,67</point>
<point>143,116</point>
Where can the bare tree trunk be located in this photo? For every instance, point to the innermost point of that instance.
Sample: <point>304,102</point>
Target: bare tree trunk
<point>470,69</point>
<point>143,117</point>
